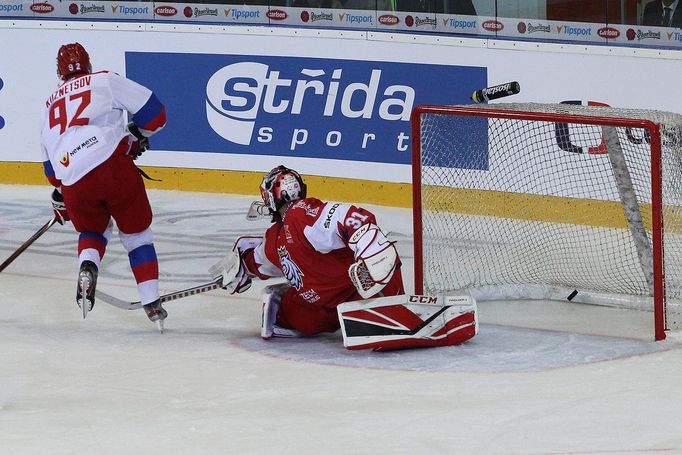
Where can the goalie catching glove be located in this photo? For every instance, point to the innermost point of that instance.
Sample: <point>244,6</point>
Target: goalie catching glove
<point>232,269</point>
<point>376,259</point>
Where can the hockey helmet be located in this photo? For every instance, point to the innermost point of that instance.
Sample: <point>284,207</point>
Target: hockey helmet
<point>72,59</point>
<point>280,187</point>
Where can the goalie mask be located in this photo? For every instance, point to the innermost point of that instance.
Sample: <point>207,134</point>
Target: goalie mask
<point>72,59</point>
<point>280,187</point>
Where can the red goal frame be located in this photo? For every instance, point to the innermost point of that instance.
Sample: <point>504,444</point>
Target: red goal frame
<point>491,112</point>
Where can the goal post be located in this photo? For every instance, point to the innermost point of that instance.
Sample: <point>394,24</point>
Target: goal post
<point>550,201</point>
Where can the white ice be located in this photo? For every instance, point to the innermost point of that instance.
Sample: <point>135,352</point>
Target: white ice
<point>111,384</point>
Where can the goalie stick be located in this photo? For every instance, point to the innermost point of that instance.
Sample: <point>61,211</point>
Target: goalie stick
<point>28,243</point>
<point>111,300</point>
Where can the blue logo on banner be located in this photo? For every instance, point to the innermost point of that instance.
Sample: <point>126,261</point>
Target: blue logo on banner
<point>303,107</point>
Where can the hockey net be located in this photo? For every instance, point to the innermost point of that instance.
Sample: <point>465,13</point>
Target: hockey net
<point>555,202</point>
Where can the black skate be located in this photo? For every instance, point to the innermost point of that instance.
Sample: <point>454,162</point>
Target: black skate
<point>156,313</point>
<point>87,281</point>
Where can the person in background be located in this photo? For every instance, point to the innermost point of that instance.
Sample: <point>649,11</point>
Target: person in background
<point>88,152</point>
<point>322,4</point>
<point>459,7</point>
<point>662,13</point>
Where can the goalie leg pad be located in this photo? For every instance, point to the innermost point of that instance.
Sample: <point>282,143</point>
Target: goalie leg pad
<point>272,299</point>
<point>401,322</point>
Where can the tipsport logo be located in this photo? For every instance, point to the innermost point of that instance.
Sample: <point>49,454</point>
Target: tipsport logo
<point>129,11</point>
<point>238,96</point>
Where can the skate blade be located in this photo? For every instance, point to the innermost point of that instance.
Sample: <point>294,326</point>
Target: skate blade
<point>85,283</point>
<point>159,325</point>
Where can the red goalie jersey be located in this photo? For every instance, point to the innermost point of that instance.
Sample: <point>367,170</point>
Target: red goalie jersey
<point>312,247</point>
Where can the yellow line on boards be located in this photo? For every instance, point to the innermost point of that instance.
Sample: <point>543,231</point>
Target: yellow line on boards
<point>237,182</point>
<point>473,202</point>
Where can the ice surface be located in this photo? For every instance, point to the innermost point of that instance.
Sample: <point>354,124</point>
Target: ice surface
<point>111,384</point>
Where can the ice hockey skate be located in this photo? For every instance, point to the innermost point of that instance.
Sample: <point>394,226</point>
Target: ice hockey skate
<point>87,281</point>
<point>156,313</point>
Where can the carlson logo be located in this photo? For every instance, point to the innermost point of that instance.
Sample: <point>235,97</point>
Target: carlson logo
<point>42,8</point>
<point>608,33</point>
<point>165,11</point>
<point>389,19</point>
<point>277,14</point>
<point>492,26</point>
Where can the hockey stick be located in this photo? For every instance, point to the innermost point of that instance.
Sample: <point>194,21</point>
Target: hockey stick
<point>111,300</point>
<point>28,243</point>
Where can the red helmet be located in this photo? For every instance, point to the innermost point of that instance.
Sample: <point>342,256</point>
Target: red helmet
<point>72,59</point>
<point>281,186</point>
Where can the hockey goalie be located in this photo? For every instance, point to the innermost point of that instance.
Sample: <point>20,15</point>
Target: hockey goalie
<point>340,270</point>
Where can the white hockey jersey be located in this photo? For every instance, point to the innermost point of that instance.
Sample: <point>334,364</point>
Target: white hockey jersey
<point>85,120</point>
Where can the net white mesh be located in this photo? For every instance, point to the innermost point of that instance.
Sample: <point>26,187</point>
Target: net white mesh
<point>513,206</point>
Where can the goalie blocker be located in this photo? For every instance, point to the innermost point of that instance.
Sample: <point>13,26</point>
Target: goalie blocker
<point>403,321</point>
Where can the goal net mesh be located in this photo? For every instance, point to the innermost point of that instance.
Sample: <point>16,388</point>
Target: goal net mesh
<point>509,204</point>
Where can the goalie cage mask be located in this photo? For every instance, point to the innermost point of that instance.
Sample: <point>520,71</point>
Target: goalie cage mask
<point>72,59</point>
<point>280,187</point>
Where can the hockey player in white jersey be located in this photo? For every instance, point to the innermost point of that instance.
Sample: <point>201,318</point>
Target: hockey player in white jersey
<point>342,271</point>
<point>88,152</point>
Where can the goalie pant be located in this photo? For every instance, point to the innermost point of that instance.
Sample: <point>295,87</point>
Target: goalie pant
<point>309,319</point>
<point>311,249</point>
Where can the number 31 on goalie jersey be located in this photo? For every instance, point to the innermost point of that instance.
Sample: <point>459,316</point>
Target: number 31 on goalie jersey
<point>355,219</point>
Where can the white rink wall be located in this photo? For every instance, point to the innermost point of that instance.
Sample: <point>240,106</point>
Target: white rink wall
<point>379,77</point>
